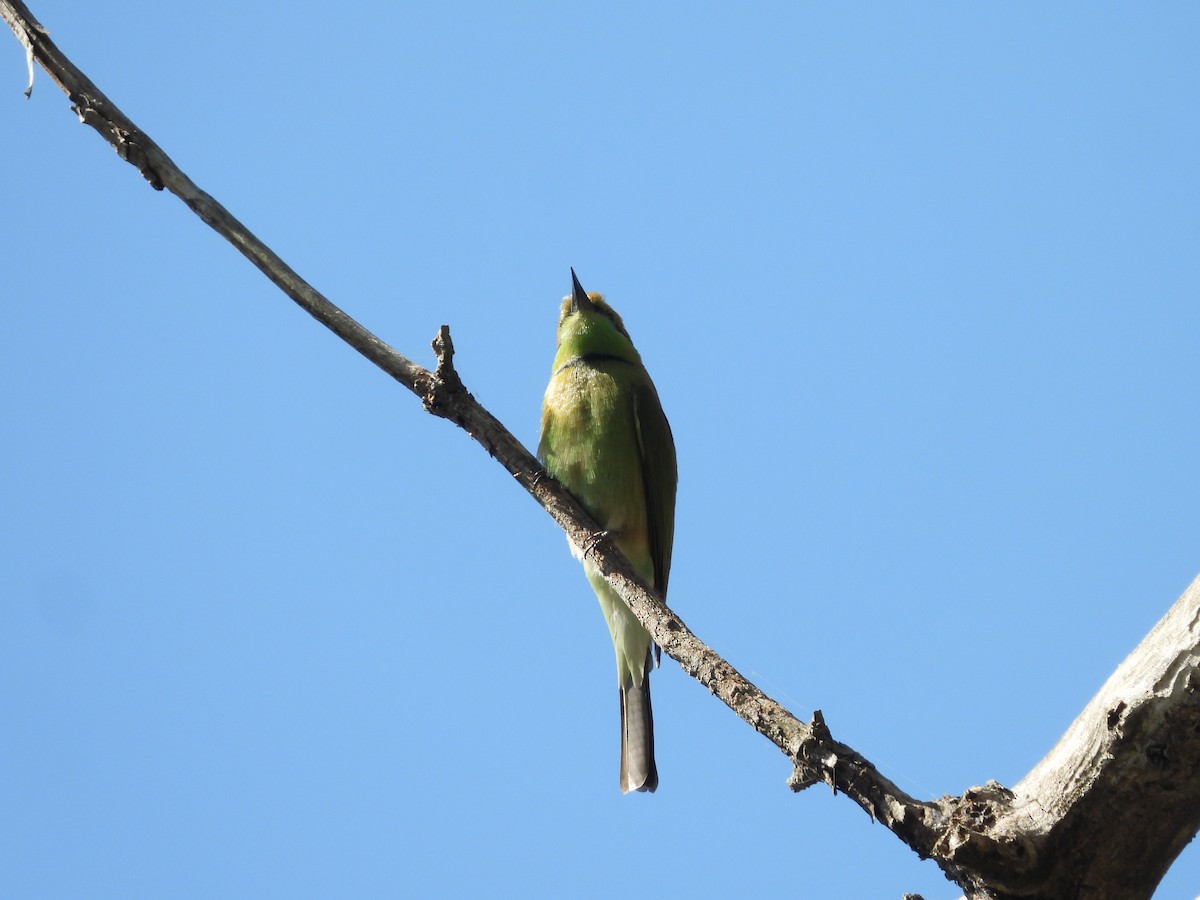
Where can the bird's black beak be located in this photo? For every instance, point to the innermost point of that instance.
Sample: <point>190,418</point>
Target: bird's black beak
<point>580,301</point>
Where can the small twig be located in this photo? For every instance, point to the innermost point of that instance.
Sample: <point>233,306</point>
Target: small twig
<point>22,28</point>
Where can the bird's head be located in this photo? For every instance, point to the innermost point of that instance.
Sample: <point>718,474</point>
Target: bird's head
<point>586,320</point>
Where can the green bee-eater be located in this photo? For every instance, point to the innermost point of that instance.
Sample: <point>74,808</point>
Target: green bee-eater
<point>604,436</point>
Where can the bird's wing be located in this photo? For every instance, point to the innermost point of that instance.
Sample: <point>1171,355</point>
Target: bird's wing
<point>656,453</point>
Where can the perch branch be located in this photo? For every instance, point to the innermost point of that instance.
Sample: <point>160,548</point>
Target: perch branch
<point>815,756</point>
<point>441,392</point>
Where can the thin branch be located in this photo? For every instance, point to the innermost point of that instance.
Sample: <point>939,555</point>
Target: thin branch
<point>815,755</point>
<point>135,147</point>
<point>981,839</point>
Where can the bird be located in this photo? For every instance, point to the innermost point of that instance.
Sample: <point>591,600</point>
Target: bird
<point>605,438</point>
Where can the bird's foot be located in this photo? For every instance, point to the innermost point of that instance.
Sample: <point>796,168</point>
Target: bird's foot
<point>596,539</point>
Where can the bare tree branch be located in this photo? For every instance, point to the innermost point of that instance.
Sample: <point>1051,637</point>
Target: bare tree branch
<point>1102,816</point>
<point>441,392</point>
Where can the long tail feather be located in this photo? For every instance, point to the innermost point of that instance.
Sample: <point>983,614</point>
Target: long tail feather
<point>638,772</point>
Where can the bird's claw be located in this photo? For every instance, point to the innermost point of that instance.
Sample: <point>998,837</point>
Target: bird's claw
<point>596,539</point>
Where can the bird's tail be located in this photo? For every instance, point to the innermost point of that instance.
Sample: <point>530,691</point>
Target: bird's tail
<point>638,772</point>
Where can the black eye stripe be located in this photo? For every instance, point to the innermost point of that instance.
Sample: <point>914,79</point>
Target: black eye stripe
<point>612,317</point>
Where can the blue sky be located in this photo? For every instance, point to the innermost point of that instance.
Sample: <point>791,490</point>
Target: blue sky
<point>917,284</point>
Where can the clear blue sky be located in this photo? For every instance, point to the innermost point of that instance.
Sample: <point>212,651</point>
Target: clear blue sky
<point>918,286</point>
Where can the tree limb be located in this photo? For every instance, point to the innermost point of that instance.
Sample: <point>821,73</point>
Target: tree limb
<point>1056,835</point>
